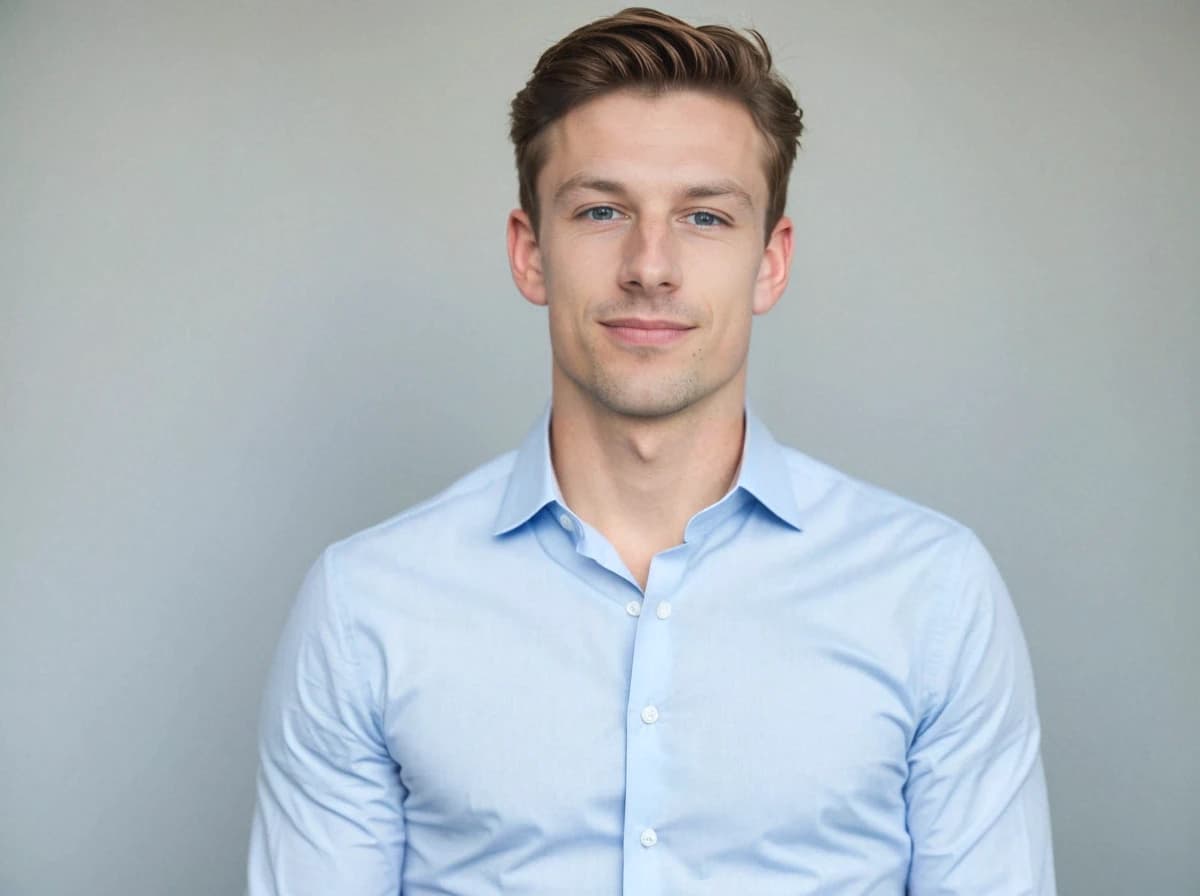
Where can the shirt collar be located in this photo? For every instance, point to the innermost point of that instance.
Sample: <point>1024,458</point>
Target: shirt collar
<point>532,484</point>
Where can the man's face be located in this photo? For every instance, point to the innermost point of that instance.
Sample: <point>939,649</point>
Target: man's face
<point>650,252</point>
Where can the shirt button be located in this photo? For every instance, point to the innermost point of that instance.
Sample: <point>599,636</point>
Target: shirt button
<point>664,609</point>
<point>633,608</point>
<point>564,520</point>
<point>649,838</point>
<point>650,716</point>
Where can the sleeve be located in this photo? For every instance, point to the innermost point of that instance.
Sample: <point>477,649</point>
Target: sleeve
<point>329,812</point>
<point>976,792</point>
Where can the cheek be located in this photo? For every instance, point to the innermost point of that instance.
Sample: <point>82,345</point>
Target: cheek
<point>729,264</point>
<point>570,274</point>
<point>572,254</point>
<point>561,324</point>
<point>729,289</point>
<point>569,336</point>
<point>734,332</point>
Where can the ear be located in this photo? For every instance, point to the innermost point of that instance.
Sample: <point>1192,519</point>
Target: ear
<point>775,268</point>
<point>525,257</point>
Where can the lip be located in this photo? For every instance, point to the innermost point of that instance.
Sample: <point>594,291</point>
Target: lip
<point>641,323</point>
<point>646,331</point>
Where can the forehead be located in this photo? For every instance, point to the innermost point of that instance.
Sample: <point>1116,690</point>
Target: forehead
<point>644,139</point>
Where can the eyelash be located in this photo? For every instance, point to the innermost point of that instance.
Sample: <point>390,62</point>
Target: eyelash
<point>718,221</point>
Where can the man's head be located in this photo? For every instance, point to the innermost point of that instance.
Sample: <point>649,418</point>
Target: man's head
<point>653,159</point>
<point>651,52</point>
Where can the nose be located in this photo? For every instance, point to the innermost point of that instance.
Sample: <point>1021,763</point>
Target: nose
<point>651,259</point>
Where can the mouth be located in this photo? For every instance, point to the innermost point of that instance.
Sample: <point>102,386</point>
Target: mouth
<point>646,331</point>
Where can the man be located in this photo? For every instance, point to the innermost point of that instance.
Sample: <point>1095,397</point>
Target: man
<point>653,651</point>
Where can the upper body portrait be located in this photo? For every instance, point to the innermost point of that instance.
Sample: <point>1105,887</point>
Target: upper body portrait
<point>653,650</point>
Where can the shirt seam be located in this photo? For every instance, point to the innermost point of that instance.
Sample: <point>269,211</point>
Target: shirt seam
<point>346,651</point>
<point>357,687</point>
<point>937,684</point>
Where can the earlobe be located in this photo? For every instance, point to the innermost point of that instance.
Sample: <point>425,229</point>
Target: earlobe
<point>525,257</point>
<point>775,268</point>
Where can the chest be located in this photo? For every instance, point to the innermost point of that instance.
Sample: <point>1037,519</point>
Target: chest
<point>757,721</point>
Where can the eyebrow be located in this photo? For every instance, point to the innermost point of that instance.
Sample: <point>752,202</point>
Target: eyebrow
<point>709,190</point>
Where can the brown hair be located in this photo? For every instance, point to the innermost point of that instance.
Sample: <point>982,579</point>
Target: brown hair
<point>648,50</point>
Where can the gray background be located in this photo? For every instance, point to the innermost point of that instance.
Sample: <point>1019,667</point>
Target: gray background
<point>254,298</point>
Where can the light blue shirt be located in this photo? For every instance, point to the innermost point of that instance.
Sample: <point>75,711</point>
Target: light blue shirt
<point>823,690</point>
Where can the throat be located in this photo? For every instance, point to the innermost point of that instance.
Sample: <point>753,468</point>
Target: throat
<point>638,553</point>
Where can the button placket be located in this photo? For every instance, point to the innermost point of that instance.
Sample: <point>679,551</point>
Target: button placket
<point>648,760</point>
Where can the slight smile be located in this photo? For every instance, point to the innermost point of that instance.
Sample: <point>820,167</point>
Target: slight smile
<point>641,331</point>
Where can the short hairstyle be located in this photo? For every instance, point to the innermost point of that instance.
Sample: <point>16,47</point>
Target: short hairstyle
<point>643,49</point>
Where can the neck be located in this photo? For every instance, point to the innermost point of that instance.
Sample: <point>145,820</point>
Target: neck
<point>639,480</point>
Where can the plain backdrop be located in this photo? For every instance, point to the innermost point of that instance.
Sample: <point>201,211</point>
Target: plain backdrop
<point>254,297</point>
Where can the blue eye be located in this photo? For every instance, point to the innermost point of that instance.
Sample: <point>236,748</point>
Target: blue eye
<point>601,213</point>
<point>705,219</point>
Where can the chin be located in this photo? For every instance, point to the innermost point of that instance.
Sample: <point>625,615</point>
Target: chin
<point>647,401</point>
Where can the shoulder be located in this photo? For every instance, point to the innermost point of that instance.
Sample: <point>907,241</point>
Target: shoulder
<point>935,563</point>
<point>843,506</point>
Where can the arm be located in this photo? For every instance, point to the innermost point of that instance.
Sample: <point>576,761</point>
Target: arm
<point>976,792</point>
<point>328,817</point>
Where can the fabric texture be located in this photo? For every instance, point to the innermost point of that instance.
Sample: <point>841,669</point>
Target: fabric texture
<point>823,690</point>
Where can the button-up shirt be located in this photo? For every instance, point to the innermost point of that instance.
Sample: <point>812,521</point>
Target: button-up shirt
<point>823,689</point>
